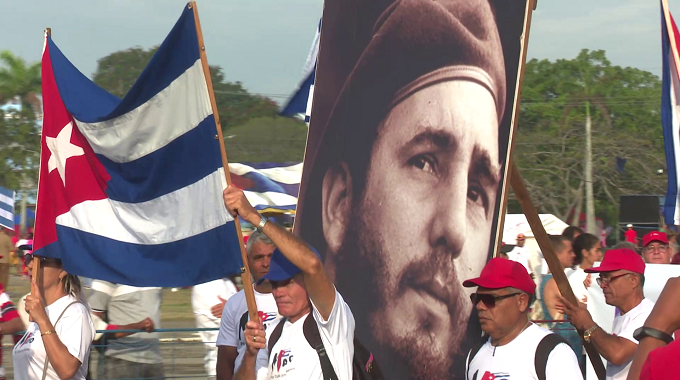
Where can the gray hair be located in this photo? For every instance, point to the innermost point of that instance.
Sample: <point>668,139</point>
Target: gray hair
<point>255,237</point>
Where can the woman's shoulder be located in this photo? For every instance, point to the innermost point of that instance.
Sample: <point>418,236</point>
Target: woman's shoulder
<point>74,307</point>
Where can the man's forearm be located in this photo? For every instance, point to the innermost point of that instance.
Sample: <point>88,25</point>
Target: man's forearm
<point>645,346</point>
<point>11,326</point>
<point>247,369</point>
<point>294,248</point>
<point>611,347</point>
<point>131,326</point>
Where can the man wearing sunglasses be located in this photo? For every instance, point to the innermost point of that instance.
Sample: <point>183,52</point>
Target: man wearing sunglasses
<point>622,276</point>
<point>512,346</point>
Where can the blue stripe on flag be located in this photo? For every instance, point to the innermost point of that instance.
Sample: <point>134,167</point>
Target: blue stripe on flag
<point>269,165</point>
<point>671,202</point>
<point>187,262</point>
<point>89,103</point>
<point>274,207</point>
<point>184,161</point>
<point>297,104</point>
<point>262,184</point>
<point>6,208</point>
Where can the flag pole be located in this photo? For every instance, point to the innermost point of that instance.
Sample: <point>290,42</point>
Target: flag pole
<point>35,273</point>
<point>245,275</point>
<point>554,264</point>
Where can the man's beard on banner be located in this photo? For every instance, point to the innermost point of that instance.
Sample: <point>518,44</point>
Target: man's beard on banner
<point>360,273</point>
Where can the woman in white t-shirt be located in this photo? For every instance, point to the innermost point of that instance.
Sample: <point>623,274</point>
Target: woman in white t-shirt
<point>588,251</point>
<point>57,342</point>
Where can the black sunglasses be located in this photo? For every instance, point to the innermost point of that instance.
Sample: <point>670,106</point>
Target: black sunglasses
<point>28,258</point>
<point>489,300</point>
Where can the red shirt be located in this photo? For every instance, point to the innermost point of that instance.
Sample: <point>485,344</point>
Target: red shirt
<point>631,236</point>
<point>662,363</point>
<point>7,311</point>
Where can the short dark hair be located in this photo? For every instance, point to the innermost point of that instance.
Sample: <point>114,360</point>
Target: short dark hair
<point>557,242</point>
<point>584,241</point>
<point>570,231</point>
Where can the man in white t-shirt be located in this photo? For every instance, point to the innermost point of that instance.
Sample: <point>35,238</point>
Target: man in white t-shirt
<point>622,276</point>
<point>520,253</point>
<point>208,300</point>
<point>303,293</point>
<point>230,341</point>
<point>512,346</point>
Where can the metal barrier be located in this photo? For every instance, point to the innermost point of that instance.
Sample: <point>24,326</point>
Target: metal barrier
<point>182,350</point>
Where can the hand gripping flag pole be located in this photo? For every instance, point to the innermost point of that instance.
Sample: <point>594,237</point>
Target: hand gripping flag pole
<point>245,276</point>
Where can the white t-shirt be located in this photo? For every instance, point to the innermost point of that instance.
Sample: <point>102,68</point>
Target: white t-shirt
<point>624,326</point>
<point>576,278</point>
<point>520,255</point>
<point>205,296</point>
<point>75,330</point>
<point>515,360</point>
<point>231,328</point>
<point>292,358</point>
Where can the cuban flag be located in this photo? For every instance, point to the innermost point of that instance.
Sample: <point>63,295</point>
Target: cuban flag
<point>300,104</point>
<point>670,112</point>
<point>130,190</point>
<point>270,187</point>
<point>7,208</point>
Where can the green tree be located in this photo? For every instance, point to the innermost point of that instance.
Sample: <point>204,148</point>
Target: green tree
<point>117,72</point>
<point>19,149</point>
<point>19,134</point>
<point>17,78</point>
<point>625,109</point>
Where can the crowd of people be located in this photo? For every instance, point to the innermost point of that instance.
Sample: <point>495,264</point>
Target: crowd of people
<point>305,329</point>
<point>621,276</point>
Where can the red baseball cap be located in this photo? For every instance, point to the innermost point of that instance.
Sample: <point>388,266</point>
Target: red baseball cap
<point>502,273</point>
<point>654,236</point>
<point>620,259</point>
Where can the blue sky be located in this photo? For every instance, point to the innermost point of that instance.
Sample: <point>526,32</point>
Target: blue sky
<point>264,43</point>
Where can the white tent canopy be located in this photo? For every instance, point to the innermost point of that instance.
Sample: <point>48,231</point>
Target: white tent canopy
<point>516,224</point>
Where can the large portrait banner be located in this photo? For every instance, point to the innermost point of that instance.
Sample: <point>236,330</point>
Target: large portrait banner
<point>405,168</point>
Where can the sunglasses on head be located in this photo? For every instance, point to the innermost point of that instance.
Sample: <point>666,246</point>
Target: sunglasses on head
<point>489,300</point>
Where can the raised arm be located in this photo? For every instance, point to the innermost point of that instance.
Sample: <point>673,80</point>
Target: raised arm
<point>321,291</point>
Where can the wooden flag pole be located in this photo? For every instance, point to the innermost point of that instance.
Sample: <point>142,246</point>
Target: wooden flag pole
<point>554,264</point>
<point>35,273</point>
<point>245,275</point>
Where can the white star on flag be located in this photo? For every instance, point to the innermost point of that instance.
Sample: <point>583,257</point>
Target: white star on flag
<point>62,149</point>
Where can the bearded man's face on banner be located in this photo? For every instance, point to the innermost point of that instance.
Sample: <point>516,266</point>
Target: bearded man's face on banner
<point>404,168</point>
<point>423,220</point>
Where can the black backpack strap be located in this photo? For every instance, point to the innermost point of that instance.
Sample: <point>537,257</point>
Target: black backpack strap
<point>242,324</point>
<point>311,331</point>
<point>473,352</point>
<point>545,347</point>
<point>276,334</point>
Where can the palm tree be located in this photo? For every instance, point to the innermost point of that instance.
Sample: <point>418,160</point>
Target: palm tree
<point>17,78</point>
